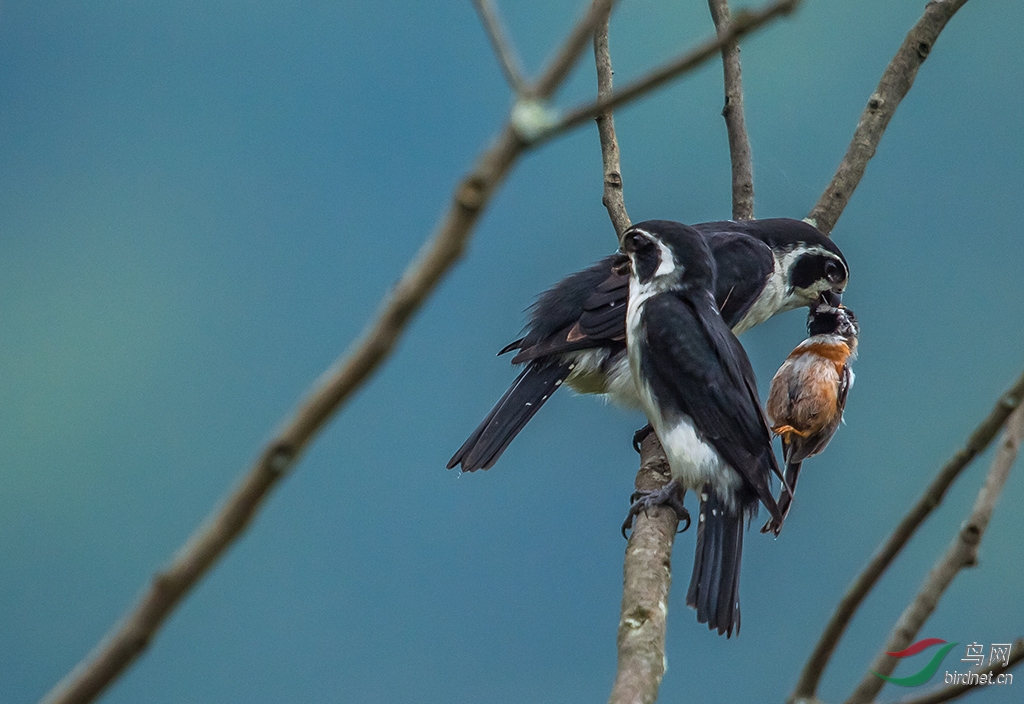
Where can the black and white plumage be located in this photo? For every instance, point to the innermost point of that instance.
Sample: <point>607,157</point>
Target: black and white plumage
<point>697,387</point>
<point>577,329</point>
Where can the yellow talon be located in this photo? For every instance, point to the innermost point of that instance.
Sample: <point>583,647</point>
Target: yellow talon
<point>788,429</point>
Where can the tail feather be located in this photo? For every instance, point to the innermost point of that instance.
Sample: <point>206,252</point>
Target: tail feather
<point>510,414</point>
<point>715,584</point>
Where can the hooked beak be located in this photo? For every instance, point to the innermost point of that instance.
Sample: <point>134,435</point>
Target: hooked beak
<point>831,298</point>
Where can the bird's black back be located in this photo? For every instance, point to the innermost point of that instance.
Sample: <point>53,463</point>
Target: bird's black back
<point>696,367</point>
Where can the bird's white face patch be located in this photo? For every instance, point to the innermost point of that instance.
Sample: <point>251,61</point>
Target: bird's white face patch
<point>668,262</point>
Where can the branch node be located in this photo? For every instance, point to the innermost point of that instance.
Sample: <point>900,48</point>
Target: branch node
<point>531,118</point>
<point>470,194</point>
<point>636,618</point>
<point>280,458</point>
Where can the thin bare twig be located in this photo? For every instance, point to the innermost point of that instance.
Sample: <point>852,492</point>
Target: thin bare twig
<point>744,22</point>
<point>962,553</point>
<point>949,692</point>
<point>647,576</point>
<point>896,81</point>
<point>735,123</point>
<point>811,675</point>
<point>507,57</point>
<point>613,199</point>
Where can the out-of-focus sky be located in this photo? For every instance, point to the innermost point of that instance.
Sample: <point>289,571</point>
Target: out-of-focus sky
<point>201,206</point>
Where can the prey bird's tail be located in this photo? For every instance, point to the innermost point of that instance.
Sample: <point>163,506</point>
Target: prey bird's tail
<point>510,414</point>
<point>715,585</point>
<point>786,494</point>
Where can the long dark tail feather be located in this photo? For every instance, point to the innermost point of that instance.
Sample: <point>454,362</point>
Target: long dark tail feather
<point>510,414</point>
<point>715,584</point>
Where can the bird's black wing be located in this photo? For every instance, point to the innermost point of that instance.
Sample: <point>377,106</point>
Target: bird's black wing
<point>697,367</point>
<point>743,265</point>
<point>582,311</point>
<point>588,309</point>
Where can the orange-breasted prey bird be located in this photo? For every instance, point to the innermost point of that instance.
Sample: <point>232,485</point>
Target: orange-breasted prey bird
<point>808,393</point>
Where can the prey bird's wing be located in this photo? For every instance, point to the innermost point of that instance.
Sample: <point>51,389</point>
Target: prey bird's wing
<point>696,365</point>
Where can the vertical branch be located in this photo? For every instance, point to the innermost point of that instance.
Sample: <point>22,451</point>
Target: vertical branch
<point>647,576</point>
<point>735,124</point>
<point>896,81</point>
<point>962,553</point>
<point>613,198</point>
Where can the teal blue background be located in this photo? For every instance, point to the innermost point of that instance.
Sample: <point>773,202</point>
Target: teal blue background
<point>201,205</point>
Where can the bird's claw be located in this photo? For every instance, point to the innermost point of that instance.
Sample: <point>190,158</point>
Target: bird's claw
<point>641,435</point>
<point>772,526</point>
<point>670,495</point>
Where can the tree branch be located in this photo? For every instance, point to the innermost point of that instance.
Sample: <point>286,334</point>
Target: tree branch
<point>613,199</point>
<point>810,677</point>
<point>647,576</point>
<point>950,692</point>
<point>896,81</point>
<point>744,22</point>
<point>735,124</point>
<point>962,553</point>
<point>507,58</point>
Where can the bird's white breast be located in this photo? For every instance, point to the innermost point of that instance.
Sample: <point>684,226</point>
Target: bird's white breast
<point>693,461</point>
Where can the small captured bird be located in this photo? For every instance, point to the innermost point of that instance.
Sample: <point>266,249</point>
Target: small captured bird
<point>808,393</point>
<point>577,330</point>
<point>698,390</point>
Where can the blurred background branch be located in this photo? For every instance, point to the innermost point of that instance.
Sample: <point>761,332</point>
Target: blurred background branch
<point>503,50</point>
<point>894,85</point>
<point>814,669</point>
<point>962,553</point>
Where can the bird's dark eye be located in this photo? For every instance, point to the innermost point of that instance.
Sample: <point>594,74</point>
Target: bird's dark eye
<point>638,242</point>
<point>834,272</point>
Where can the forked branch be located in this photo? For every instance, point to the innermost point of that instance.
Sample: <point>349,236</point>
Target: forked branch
<point>743,23</point>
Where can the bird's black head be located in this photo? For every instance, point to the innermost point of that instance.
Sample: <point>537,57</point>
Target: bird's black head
<point>814,265</point>
<point>668,254</point>
<point>824,319</point>
<point>810,265</point>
